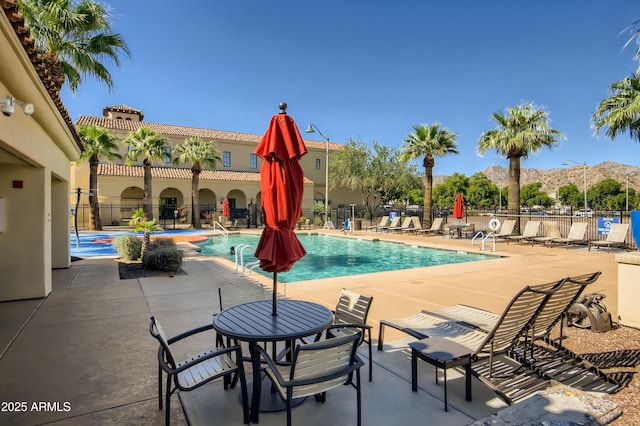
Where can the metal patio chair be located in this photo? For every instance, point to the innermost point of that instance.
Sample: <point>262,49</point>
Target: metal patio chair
<point>198,370</point>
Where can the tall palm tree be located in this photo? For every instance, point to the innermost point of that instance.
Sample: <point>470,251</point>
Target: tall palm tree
<point>429,142</point>
<point>620,112</point>
<point>523,129</point>
<point>98,143</point>
<point>150,145</point>
<point>74,39</point>
<point>200,154</point>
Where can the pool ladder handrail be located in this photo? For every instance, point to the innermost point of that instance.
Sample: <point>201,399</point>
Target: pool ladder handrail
<point>480,234</point>
<point>222,229</point>
<point>240,253</point>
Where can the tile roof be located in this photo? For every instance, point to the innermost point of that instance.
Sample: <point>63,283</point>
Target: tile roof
<point>109,169</point>
<point>124,108</point>
<point>10,8</point>
<point>182,131</point>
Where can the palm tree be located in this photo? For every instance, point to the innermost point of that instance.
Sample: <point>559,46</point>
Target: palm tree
<point>74,38</point>
<point>429,142</point>
<point>521,130</point>
<point>146,226</point>
<point>98,143</point>
<point>200,154</point>
<point>150,145</point>
<point>620,112</point>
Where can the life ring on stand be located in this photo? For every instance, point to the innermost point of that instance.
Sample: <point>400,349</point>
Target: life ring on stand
<point>494,224</point>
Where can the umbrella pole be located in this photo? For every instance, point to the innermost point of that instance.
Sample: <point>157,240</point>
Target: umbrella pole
<point>274,306</point>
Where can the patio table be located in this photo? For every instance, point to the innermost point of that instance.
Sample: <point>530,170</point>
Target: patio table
<point>253,322</point>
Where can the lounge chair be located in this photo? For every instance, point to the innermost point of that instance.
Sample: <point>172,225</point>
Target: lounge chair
<point>415,225</point>
<point>507,229</point>
<point>384,221</point>
<point>394,223</point>
<point>486,346</point>
<point>530,231</point>
<point>615,238</point>
<point>576,235</point>
<point>406,224</point>
<point>551,232</point>
<point>435,228</point>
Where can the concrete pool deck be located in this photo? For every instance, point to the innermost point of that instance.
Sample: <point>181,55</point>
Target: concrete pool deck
<point>88,342</point>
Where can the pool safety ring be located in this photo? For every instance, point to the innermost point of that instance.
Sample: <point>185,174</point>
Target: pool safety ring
<point>494,224</point>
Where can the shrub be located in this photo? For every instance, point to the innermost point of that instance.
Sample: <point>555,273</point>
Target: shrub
<point>317,221</point>
<point>163,259</point>
<point>128,246</point>
<point>162,242</point>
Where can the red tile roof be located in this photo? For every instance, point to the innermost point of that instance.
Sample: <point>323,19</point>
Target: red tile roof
<point>181,131</point>
<point>10,8</point>
<point>180,173</point>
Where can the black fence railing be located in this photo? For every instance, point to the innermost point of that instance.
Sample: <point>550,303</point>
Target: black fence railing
<point>250,217</point>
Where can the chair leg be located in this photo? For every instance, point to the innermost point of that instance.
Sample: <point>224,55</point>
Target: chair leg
<point>245,395</point>
<point>370,357</point>
<point>381,337</point>
<point>159,387</point>
<point>358,397</point>
<point>289,398</point>
<point>167,413</point>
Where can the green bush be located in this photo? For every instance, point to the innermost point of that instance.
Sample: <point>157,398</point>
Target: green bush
<point>162,242</point>
<point>128,246</point>
<point>163,259</point>
<point>317,221</point>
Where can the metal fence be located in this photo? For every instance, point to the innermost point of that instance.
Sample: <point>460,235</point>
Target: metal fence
<point>119,215</point>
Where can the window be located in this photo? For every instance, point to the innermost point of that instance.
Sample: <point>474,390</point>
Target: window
<point>226,159</point>
<point>317,163</point>
<point>167,155</point>
<point>253,161</point>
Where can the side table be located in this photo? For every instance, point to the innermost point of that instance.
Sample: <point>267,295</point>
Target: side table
<point>441,353</point>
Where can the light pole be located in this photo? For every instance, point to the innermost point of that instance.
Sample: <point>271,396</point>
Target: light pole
<point>584,168</point>
<point>629,174</point>
<point>310,129</point>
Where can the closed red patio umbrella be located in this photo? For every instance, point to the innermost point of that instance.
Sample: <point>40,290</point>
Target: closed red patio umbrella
<point>282,186</point>
<point>225,208</point>
<point>458,207</point>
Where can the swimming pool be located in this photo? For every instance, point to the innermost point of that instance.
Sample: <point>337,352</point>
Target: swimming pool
<point>329,256</point>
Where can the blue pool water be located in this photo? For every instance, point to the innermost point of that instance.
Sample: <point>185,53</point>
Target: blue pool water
<point>329,257</point>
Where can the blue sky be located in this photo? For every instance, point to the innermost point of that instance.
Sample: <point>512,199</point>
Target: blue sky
<point>371,70</point>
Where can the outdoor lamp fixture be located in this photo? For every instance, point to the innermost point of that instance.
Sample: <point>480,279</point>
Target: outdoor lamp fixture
<point>7,106</point>
<point>310,129</point>
<point>584,168</point>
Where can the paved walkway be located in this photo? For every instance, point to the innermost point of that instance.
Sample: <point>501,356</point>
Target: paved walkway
<point>86,350</point>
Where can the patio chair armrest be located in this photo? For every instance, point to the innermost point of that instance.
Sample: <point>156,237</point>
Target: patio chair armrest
<point>237,349</point>
<point>271,364</point>
<point>190,333</point>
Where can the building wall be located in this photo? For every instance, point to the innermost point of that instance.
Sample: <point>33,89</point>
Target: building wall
<point>110,188</point>
<point>35,151</point>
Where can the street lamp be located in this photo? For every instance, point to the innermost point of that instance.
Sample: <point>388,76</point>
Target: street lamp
<point>310,129</point>
<point>629,174</point>
<point>584,168</point>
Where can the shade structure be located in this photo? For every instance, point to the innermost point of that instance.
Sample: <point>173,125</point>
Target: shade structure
<point>458,207</point>
<point>225,208</point>
<point>282,187</point>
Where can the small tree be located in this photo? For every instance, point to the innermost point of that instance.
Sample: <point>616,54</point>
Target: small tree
<point>146,226</point>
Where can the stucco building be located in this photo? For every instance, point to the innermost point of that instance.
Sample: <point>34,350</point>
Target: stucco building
<point>236,178</point>
<point>37,142</point>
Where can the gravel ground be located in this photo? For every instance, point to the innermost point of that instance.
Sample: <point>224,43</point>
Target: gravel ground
<point>617,351</point>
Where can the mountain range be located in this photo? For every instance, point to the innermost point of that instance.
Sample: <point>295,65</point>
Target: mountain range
<point>552,179</point>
